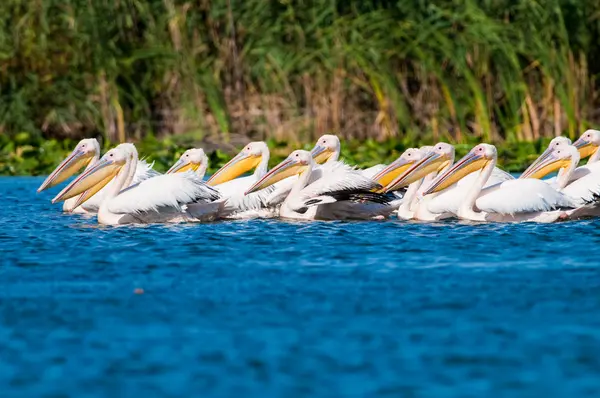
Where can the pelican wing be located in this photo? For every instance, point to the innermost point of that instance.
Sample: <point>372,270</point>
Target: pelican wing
<point>585,190</point>
<point>142,172</point>
<point>371,171</point>
<point>163,191</point>
<point>521,196</point>
<point>238,202</point>
<point>341,183</point>
<point>449,200</point>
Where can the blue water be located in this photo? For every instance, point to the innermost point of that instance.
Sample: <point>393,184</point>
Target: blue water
<point>268,308</point>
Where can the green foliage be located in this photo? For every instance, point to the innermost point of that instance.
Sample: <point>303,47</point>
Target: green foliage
<point>458,70</point>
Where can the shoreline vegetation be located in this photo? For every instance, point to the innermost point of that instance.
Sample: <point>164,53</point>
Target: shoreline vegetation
<point>382,75</point>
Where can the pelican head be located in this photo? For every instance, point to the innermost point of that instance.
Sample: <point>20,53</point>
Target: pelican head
<point>327,148</point>
<point>560,158</point>
<point>246,160</point>
<point>475,160</point>
<point>588,143</point>
<point>81,156</point>
<point>191,160</point>
<point>398,166</point>
<point>100,174</point>
<point>555,143</point>
<point>296,163</point>
<point>435,160</point>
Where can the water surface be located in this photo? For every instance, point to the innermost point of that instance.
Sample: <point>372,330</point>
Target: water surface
<point>270,308</point>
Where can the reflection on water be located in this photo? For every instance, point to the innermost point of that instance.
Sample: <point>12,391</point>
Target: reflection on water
<point>272,308</point>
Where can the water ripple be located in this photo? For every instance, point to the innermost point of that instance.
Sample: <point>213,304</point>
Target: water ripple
<point>275,308</point>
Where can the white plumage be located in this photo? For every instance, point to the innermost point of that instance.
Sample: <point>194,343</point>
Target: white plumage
<point>328,193</point>
<point>449,200</point>
<point>143,172</point>
<point>174,191</point>
<point>164,198</point>
<point>521,196</point>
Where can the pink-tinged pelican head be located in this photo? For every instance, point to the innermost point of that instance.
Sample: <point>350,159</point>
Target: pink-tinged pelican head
<point>97,176</point>
<point>327,148</point>
<point>435,160</point>
<point>246,160</point>
<point>475,160</point>
<point>81,156</point>
<point>555,143</point>
<point>559,158</point>
<point>191,160</point>
<point>588,143</point>
<point>296,163</point>
<point>398,166</point>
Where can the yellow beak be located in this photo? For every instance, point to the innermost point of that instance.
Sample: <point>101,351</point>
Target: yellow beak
<point>285,169</point>
<point>432,162</point>
<point>585,148</point>
<point>71,165</point>
<point>182,166</point>
<point>470,163</point>
<point>393,171</point>
<point>237,166</point>
<point>321,154</point>
<point>100,174</point>
<point>545,166</point>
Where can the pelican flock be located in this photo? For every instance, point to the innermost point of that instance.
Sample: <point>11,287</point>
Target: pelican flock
<point>423,184</point>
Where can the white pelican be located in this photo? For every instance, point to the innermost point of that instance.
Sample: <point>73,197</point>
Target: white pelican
<point>444,204</point>
<point>327,151</point>
<point>255,156</point>
<point>165,198</point>
<point>508,201</point>
<point>191,160</point>
<point>584,192</point>
<point>395,169</point>
<point>340,194</point>
<point>87,153</point>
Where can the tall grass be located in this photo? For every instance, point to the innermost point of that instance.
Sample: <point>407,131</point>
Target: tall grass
<point>232,70</point>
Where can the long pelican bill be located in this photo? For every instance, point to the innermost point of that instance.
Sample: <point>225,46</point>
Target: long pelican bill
<point>237,166</point>
<point>470,163</point>
<point>432,162</point>
<point>393,171</point>
<point>536,163</point>
<point>77,160</point>
<point>103,171</point>
<point>285,169</point>
<point>85,196</point>
<point>182,166</point>
<point>545,166</point>
<point>585,148</point>
<point>321,153</point>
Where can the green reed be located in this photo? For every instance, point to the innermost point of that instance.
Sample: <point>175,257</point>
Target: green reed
<point>233,70</point>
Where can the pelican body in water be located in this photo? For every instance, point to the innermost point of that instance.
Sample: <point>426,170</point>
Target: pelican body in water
<point>194,160</point>
<point>435,161</point>
<point>86,154</point>
<point>255,156</point>
<point>339,194</point>
<point>397,168</point>
<point>508,201</point>
<point>584,191</point>
<point>175,197</point>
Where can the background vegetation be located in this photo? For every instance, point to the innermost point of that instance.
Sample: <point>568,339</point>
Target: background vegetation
<point>217,73</point>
